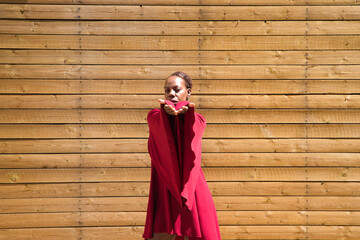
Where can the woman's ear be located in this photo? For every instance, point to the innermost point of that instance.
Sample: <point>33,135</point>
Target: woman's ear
<point>188,93</point>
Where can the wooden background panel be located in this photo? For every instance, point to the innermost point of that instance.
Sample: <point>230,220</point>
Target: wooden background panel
<point>230,232</point>
<point>219,174</point>
<point>191,2</point>
<point>224,205</point>
<point>109,160</point>
<point>341,57</point>
<point>138,189</point>
<point>179,28</point>
<point>209,145</point>
<point>155,72</point>
<point>342,42</point>
<point>61,86</point>
<point>201,72</point>
<point>277,81</point>
<point>201,102</point>
<point>49,131</point>
<point>211,115</point>
<point>172,57</point>
<point>125,12</point>
<point>239,218</point>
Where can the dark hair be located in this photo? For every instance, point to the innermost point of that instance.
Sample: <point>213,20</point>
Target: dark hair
<point>185,77</point>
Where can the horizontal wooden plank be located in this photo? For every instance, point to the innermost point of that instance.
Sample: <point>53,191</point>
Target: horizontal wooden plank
<point>199,72</point>
<point>52,131</point>
<point>121,12</point>
<point>17,41</point>
<point>208,159</point>
<point>239,218</point>
<point>26,86</point>
<point>286,174</point>
<point>173,57</point>
<point>333,57</point>
<point>211,116</point>
<point>202,102</point>
<point>37,86</point>
<point>178,57</point>
<point>158,72</point>
<point>334,72</point>
<point>191,2</point>
<point>222,204</point>
<point>227,232</point>
<point>141,189</point>
<point>145,12</point>
<point>332,27</point>
<point>179,28</point>
<point>208,145</point>
<point>92,42</point>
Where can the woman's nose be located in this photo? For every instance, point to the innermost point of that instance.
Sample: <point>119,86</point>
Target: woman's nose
<point>172,93</point>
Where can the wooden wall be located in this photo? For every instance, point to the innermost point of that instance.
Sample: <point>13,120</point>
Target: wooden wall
<point>278,82</point>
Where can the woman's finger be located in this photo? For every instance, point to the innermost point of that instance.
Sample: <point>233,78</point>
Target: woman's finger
<point>170,110</point>
<point>161,101</point>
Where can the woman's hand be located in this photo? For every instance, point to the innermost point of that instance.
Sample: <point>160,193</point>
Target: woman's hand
<point>172,111</point>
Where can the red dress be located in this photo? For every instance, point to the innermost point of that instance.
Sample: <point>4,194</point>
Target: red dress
<point>180,201</point>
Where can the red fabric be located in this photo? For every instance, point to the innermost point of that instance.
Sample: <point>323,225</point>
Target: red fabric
<point>180,201</point>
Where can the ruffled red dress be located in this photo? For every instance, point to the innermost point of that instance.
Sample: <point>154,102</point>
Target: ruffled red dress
<point>180,201</point>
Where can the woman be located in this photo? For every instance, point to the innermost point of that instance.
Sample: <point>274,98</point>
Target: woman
<point>180,204</point>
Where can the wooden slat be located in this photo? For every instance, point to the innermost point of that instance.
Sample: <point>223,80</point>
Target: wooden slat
<point>138,189</point>
<point>334,72</point>
<point>208,145</point>
<point>51,131</point>
<point>157,86</point>
<point>159,71</point>
<point>211,116</point>
<point>332,86</point>
<point>222,204</point>
<point>212,174</point>
<point>121,12</point>
<point>237,72</point>
<point>178,57</point>
<point>350,42</point>
<point>208,160</point>
<point>171,57</point>
<point>333,27</point>
<point>173,42</point>
<point>239,218</point>
<point>333,57</point>
<point>228,232</point>
<point>202,102</point>
<point>147,12</point>
<point>179,28</point>
<point>37,86</point>
<point>191,2</point>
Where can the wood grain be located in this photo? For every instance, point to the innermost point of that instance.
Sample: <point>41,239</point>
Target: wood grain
<point>125,12</point>
<point>282,174</point>
<point>141,189</point>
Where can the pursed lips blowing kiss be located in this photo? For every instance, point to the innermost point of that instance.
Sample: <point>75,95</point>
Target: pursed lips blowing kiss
<point>174,101</point>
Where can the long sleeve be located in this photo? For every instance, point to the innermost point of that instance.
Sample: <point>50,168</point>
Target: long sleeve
<point>166,155</point>
<point>180,201</point>
<point>162,151</point>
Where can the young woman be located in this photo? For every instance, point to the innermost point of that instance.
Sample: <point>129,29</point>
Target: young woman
<point>180,204</point>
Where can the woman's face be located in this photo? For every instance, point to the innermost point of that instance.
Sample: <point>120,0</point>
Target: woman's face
<point>175,90</point>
